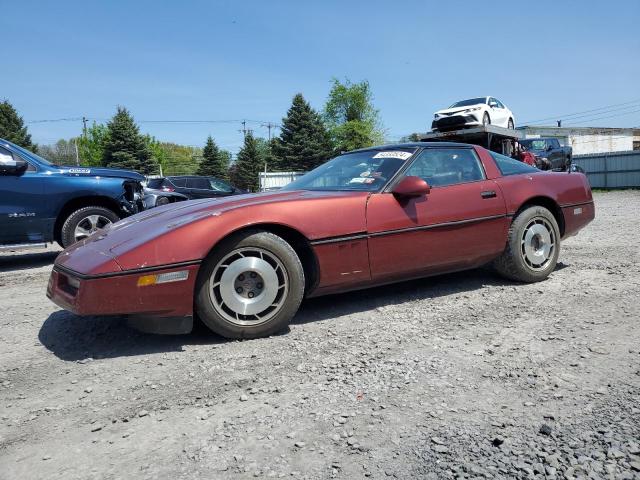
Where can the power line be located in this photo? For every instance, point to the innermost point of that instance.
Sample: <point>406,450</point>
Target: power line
<point>607,116</point>
<point>567,115</point>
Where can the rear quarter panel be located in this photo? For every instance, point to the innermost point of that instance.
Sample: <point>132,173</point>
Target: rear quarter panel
<point>570,191</point>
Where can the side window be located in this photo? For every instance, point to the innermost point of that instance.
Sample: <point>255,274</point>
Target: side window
<point>500,105</point>
<point>554,143</point>
<point>199,183</point>
<point>6,157</point>
<point>493,102</point>
<point>509,166</point>
<point>179,182</point>
<point>447,166</point>
<point>219,186</point>
<point>155,183</point>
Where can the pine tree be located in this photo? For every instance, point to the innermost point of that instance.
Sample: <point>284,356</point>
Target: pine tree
<point>304,142</point>
<point>248,165</point>
<point>215,162</point>
<point>125,147</point>
<point>12,127</point>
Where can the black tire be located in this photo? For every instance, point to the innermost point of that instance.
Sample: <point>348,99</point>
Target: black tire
<point>218,317</point>
<point>514,263</point>
<point>68,233</point>
<point>162,201</point>
<point>486,119</point>
<point>510,124</point>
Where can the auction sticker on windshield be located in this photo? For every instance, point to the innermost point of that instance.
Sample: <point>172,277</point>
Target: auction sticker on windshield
<point>394,154</point>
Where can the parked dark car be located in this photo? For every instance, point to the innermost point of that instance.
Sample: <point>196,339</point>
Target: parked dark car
<point>194,186</point>
<point>156,198</point>
<point>41,202</point>
<point>549,153</point>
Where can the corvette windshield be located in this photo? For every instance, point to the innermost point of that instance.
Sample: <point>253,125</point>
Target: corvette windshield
<point>366,171</point>
<point>471,101</point>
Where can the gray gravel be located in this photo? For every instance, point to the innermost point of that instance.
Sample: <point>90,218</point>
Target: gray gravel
<point>459,376</point>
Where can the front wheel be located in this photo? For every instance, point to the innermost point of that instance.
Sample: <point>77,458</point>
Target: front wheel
<point>533,246</point>
<point>486,120</point>
<point>84,222</point>
<point>251,286</point>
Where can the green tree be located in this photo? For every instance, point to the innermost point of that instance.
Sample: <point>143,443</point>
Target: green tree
<point>304,141</point>
<point>91,145</point>
<point>62,153</point>
<point>174,159</point>
<point>248,165</point>
<point>215,162</point>
<point>125,147</point>
<point>352,120</point>
<point>12,127</point>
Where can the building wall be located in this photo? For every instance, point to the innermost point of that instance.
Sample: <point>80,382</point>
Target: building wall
<point>585,141</point>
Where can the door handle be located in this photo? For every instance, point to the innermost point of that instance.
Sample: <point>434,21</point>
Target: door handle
<point>488,194</point>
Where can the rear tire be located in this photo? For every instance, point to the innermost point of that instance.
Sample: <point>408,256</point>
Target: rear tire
<point>533,246</point>
<point>85,221</point>
<point>510,125</point>
<point>250,286</point>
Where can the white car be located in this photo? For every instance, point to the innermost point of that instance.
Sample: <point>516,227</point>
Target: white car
<point>473,113</point>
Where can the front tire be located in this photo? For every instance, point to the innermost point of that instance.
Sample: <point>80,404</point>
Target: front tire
<point>486,119</point>
<point>84,222</point>
<point>251,286</point>
<point>533,246</point>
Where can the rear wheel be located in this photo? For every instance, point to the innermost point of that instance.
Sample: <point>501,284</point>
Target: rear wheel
<point>486,119</point>
<point>84,222</point>
<point>510,124</point>
<point>251,286</point>
<point>533,246</point>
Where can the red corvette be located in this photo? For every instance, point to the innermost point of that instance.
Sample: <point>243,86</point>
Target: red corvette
<point>242,264</point>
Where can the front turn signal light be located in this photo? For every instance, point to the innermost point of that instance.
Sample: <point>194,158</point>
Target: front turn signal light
<point>168,277</point>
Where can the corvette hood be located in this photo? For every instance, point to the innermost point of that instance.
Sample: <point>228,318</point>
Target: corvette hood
<point>157,230</point>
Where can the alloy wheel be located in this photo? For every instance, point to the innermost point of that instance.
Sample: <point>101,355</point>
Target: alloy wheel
<point>538,243</point>
<point>89,225</point>
<point>248,286</point>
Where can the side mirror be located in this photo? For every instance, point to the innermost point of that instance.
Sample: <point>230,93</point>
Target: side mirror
<point>13,167</point>
<point>410,187</point>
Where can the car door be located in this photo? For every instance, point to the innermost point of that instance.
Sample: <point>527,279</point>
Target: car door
<point>199,187</point>
<point>179,184</point>
<point>459,224</point>
<point>555,155</point>
<point>21,200</point>
<point>498,113</point>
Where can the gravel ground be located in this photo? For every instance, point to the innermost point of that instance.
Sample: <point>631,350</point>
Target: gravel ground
<point>459,376</point>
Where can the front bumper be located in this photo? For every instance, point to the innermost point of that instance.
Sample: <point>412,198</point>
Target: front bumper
<point>119,293</point>
<point>454,121</point>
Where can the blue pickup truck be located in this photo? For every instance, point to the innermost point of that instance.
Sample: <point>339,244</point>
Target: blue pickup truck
<point>41,202</point>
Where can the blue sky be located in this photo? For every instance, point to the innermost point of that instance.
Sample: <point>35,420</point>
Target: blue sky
<point>207,60</point>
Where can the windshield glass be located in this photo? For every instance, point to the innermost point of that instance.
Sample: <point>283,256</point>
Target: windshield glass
<point>29,154</point>
<point>366,171</point>
<point>534,144</point>
<point>471,101</point>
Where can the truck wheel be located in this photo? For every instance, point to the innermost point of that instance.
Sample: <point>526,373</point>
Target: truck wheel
<point>251,286</point>
<point>85,221</point>
<point>533,245</point>
<point>486,119</point>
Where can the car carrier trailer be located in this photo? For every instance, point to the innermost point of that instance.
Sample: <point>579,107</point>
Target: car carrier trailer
<point>498,139</point>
